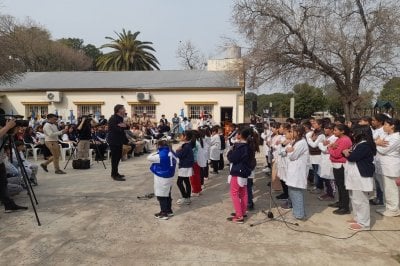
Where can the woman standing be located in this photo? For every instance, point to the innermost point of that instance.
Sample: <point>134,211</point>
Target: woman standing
<point>297,171</point>
<point>388,166</point>
<point>337,158</point>
<point>359,172</point>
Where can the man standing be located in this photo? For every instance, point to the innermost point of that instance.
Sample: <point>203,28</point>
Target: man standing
<point>116,138</point>
<point>52,133</point>
<point>175,125</point>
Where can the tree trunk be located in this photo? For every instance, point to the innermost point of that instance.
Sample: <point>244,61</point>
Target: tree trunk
<point>350,106</point>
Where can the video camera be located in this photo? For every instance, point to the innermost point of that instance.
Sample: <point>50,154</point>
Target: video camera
<point>18,120</point>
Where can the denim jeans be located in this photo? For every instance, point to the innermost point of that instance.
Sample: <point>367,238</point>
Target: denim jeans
<point>296,196</point>
<point>318,183</point>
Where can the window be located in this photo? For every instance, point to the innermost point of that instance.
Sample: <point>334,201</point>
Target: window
<point>36,110</point>
<point>149,109</point>
<point>87,109</point>
<point>196,110</point>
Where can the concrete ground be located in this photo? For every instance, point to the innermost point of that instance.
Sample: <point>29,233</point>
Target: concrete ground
<point>88,219</point>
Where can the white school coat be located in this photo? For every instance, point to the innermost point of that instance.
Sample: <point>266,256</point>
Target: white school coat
<point>215,147</point>
<point>162,186</point>
<point>387,159</point>
<point>315,159</point>
<point>203,153</point>
<point>297,168</point>
<point>266,136</point>
<point>325,169</point>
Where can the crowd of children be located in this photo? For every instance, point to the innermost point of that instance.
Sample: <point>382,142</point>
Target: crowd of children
<point>357,163</point>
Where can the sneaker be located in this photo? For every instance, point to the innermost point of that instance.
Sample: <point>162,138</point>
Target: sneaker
<point>388,213</point>
<point>170,214</point>
<point>44,167</point>
<point>376,202</point>
<point>14,208</point>
<point>60,172</point>
<point>235,220</point>
<point>195,194</point>
<point>358,227</point>
<point>266,170</point>
<point>233,214</point>
<point>161,216</point>
<point>188,201</point>
<point>286,206</point>
<point>325,197</point>
<point>180,201</point>
<point>282,196</point>
<point>334,205</point>
<point>316,191</point>
<point>341,211</point>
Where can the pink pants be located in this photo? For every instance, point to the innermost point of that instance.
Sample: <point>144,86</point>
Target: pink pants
<point>239,197</point>
<point>195,180</point>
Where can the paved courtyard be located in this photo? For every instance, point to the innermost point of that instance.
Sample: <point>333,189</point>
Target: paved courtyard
<point>88,219</point>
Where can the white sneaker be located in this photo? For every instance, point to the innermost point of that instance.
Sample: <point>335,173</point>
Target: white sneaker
<point>180,201</point>
<point>188,201</point>
<point>266,170</point>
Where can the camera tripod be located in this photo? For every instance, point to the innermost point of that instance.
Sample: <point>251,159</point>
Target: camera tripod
<point>25,177</point>
<point>73,153</point>
<point>270,214</point>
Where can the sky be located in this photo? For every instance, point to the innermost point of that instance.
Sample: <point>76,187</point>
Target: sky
<point>165,23</point>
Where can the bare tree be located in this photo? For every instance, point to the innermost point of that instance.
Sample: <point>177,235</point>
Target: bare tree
<point>190,57</point>
<point>347,41</point>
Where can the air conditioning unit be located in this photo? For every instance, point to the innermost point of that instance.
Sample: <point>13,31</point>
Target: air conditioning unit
<point>54,96</point>
<point>143,96</point>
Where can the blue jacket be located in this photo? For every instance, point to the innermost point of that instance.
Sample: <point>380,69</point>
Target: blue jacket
<point>185,155</point>
<point>363,156</point>
<point>239,156</point>
<point>166,167</point>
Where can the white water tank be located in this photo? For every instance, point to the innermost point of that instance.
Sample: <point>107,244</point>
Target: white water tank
<point>233,52</point>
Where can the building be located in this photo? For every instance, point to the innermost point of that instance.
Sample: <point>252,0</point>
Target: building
<point>192,92</point>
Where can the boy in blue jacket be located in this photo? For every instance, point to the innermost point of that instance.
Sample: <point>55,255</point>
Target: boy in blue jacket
<point>163,168</point>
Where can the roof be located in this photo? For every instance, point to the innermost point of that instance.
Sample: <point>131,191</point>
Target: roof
<point>165,79</point>
<point>384,104</point>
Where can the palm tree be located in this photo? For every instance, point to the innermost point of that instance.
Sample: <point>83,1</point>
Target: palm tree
<point>129,54</point>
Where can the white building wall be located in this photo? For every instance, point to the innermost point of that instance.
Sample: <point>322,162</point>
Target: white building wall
<point>170,102</point>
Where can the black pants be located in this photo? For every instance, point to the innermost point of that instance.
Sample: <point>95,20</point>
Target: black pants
<point>344,199</point>
<point>215,166</point>
<point>165,204</point>
<point>285,188</point>
<point>184,186</point>
<point>4,197</point>
<point>203,174</point>
<point>221,162</point>
<point>116,154</point>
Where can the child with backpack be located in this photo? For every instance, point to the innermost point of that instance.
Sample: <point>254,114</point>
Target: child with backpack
<point>163,168</point>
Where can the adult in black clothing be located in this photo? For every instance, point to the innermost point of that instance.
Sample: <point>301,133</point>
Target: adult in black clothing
<point>116,138</point>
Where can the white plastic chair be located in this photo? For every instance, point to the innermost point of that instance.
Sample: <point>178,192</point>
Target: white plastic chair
<point>32,149</point>
<point>65,150</point>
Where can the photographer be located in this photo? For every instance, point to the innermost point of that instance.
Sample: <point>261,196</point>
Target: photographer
<point>52,133</point>
<point>84,136</point>
<point>9,204</point>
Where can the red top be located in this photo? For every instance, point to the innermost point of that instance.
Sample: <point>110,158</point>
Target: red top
<point>336,155</point>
